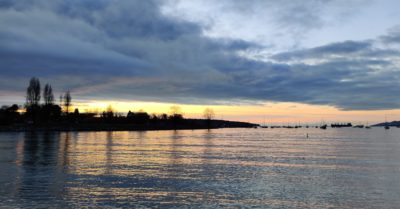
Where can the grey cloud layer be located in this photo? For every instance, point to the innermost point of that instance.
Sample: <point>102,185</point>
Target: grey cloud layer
<point>129,50</point>
<point>393,37</point>
<point>281,24</point>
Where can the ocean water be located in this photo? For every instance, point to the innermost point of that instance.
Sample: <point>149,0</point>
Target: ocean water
<point>224,168</point>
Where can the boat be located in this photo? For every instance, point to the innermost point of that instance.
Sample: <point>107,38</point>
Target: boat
<point>323,126</point>
<point>341,125</point>
<point>386,124</point>
<point>358,126</point>
<point>263,125</point>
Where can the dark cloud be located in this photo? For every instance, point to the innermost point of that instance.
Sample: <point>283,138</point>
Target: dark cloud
<point>129,50</point>
<point>393,37</point>
<point>335,49</point>
<point>349,75</point>
<point>295,17</point>
<point>292,14</point>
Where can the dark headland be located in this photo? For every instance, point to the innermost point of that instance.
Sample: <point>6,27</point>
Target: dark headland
<point>46,115</point>
<point>123,124</point>
<point>393,123</point>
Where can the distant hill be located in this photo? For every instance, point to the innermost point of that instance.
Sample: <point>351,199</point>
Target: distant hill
<point>393,123</point>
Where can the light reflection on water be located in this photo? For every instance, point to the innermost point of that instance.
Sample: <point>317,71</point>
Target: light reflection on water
<point>340,168</point>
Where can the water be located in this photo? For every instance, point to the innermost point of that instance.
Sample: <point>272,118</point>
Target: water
<point>261,168</point>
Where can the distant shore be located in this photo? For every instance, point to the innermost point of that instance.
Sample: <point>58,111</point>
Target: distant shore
<point>189,124</point>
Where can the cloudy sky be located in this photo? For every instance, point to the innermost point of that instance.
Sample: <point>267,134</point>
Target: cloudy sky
<point>287,60</point>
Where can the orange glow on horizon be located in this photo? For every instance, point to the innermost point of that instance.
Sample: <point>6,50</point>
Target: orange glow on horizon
<point>272,113</point>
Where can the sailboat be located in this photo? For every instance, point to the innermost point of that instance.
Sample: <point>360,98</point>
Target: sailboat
<point>263,125</point>
<point>323,126</point>
<point>386,124</point>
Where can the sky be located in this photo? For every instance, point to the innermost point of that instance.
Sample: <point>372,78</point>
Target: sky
<point>288,61</point>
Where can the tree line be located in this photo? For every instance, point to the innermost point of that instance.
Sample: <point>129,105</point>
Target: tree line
<point>41,108</point>
<point>33,96</point>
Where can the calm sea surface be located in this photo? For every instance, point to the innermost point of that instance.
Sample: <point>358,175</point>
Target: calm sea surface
<point>261,168</point>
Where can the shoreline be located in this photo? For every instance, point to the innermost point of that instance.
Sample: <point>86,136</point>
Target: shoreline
<point>120,127</point>
<point>100,129</point>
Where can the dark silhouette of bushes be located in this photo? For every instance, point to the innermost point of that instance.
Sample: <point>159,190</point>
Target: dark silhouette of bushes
<point>138,117</point>
<point>9,115</point>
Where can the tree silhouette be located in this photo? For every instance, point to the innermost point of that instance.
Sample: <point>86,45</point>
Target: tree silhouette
<point>61,100</point>
<point>33,92</point>
<point>163,116</point>
<point>176,115</point>
<point>48,95</point>
<point>175,111</point>
<point>109,112</point>
<point>208,114</point>
<point>67,101</point>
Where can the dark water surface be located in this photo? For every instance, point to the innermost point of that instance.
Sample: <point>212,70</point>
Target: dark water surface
<point>261,168</point>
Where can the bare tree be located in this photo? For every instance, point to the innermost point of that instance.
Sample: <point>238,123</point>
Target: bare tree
<point>61,100</point>
<point>33,92</point>
<point>48,95</point>
<point>175,110</point>
<point>208,114</point>
<point>67,101</point>
<point>109,113</point>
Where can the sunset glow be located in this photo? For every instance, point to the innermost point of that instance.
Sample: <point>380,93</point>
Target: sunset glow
<point>271,113</point>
